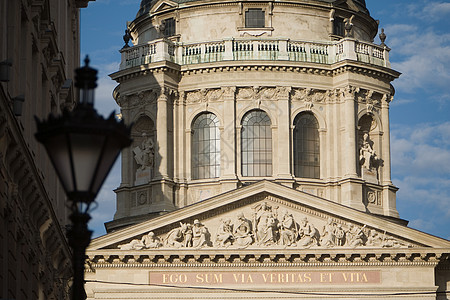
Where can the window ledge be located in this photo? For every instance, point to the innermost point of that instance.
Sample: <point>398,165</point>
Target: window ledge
<point>255,31</point>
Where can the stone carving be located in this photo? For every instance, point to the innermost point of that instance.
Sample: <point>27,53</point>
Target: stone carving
<point>199,235</point>
<point>288,230</point>
<point>268,229</point>
<point>243,232</point>
<point>224,235</point>
<point>145,154</point>
<point>367,155</point>
<point>309,236</point>
<point>148,241</point>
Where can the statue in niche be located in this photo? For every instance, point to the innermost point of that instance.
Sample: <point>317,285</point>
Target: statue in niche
<point>199,235</point>
<point>367,155</point>
<point>328,237</point>
<point>288,230</point>
<point>309,236</point>
<point>224,235</point>
<point>243,235</point>
<point>145,154</point>
<point>355,237</point>
<point>266,225</point>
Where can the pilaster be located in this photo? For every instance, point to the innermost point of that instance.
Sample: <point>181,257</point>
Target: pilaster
<point>162,163</point>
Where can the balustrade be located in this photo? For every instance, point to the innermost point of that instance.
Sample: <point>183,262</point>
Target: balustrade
<point>255,49</point>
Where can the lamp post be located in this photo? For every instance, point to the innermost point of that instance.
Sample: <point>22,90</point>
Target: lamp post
<point>82,147</point>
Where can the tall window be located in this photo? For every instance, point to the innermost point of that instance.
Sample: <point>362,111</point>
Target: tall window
<point>338,27</point>
<point>256,142</point>
<point>306,146</point>
<point>205,147</point>
<point>169,27</point>
<point>254,18</point>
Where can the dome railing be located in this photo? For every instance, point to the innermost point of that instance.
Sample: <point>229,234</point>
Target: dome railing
<point>253,49</point>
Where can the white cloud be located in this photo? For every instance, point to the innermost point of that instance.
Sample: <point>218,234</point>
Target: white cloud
<point>421,169</point>
<point>435,11</point>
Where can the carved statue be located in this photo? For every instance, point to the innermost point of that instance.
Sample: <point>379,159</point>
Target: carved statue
<point>133,245</point>
<point>328,238</point>
<point>309,236</point>
<point>367,155</point>
<point>355,236</point>
<point>176,237</point>
<point>374,239</point>
<point>243,231</point>
<point>340,235</point>
<point>150,241</point>
<point>199,235</point>
<point>145,154</point>
<point>288,230</point>
<point>266,225</point>
<point>224,235</point>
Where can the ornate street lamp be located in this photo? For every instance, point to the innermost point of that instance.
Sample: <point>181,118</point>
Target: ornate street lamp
<point>82,147</point>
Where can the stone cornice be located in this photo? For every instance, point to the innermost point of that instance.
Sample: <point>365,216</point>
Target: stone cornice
<point>272,66</point>
<point>273,258</point>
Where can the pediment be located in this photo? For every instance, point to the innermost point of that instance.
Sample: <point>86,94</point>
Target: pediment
<point>163,5</point>
<point>265,215</point>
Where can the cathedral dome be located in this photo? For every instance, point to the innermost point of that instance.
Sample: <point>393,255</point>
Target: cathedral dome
<point>146,5</point>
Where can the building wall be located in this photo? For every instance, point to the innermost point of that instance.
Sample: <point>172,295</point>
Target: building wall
<point>40,42</point>
<point>214,63</point>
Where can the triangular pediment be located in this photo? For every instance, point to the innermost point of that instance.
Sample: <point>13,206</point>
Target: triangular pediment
<point>163,5</point>
<point>266,215</point>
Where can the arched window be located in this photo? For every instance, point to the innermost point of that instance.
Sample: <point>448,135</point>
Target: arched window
<point>256,142</point>
<point>205,147</point>
<point>306,146</point>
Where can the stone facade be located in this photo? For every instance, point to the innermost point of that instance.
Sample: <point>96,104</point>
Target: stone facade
<point>168,80</point>
<point>260,167</point>
<point>38,53</point>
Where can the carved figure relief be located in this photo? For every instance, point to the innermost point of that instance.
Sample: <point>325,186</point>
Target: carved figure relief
<point>367,156</point>
<point>268,228</point>
<point>145,154</point>
<point>148,241</point>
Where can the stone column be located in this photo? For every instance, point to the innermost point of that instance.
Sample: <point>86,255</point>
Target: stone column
<point>228,135</point>
<point>161,135</point>
<point>351,191</point>
<point>386,140</point>
<point>283,158</point>
<point>349,123</point>
<point>389,190</point>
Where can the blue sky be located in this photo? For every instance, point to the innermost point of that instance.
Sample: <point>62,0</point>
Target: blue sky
<point>418,32</point>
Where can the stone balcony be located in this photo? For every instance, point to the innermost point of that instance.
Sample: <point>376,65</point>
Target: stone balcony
<point>254,49</point>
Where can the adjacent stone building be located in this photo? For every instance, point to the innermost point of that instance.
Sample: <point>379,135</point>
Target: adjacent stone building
<point>260,167</point>
<point>39,50</point>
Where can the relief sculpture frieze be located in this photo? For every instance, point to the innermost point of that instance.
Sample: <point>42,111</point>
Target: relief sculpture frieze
<point>267,225</point>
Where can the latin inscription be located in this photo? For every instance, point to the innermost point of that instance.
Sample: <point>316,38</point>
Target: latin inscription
<point>265,278</point>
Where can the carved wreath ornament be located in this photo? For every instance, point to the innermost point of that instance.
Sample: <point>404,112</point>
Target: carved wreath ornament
<point>267,227</point>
